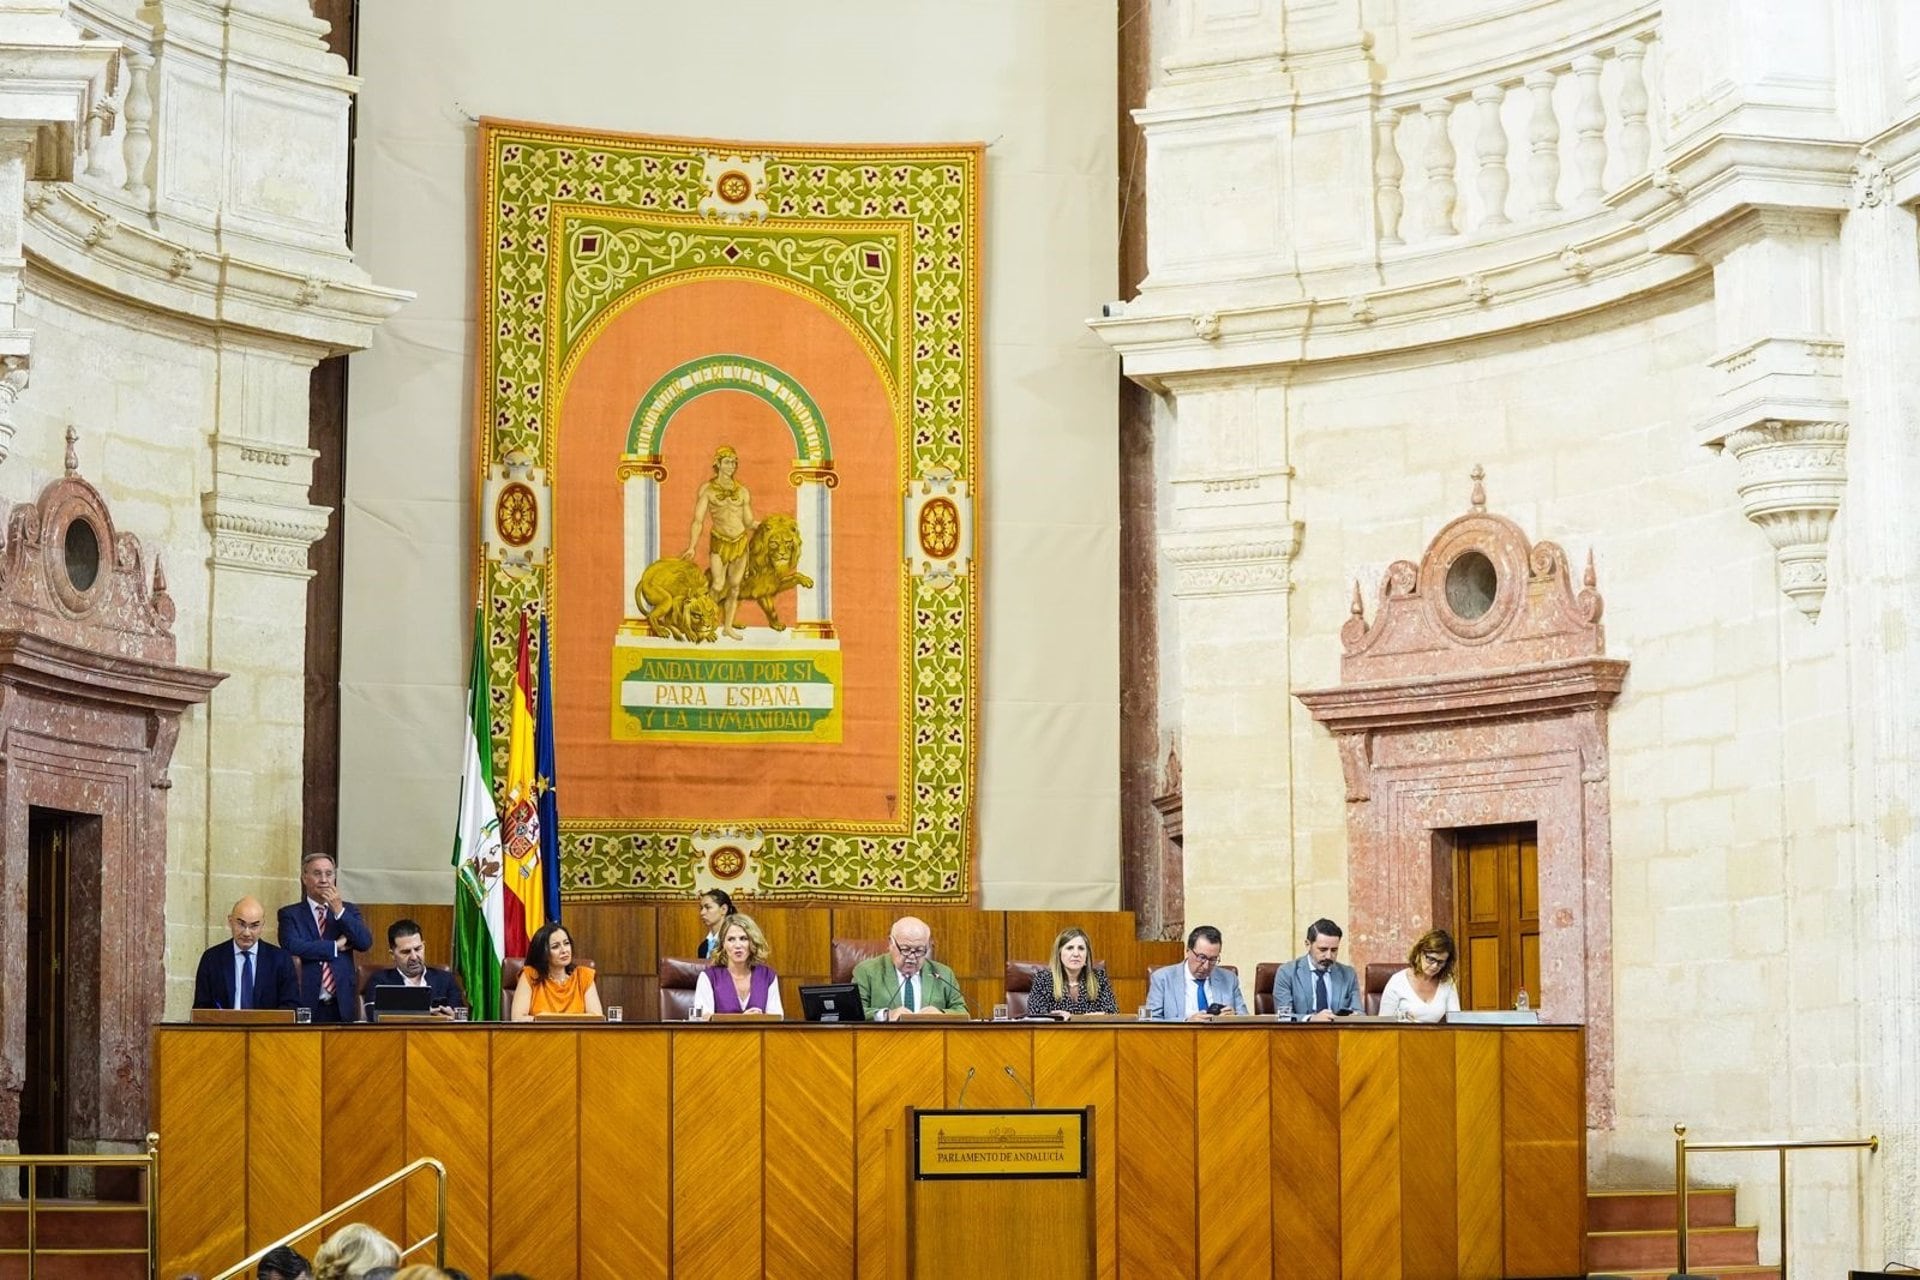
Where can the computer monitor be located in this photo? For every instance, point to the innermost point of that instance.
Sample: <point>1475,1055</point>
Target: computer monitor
<point>395,997</point>
<point>832,1002</point>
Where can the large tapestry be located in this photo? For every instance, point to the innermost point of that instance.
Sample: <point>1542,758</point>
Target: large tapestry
<point>728,424</point>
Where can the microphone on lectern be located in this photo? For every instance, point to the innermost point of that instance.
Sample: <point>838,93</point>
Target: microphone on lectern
<point>962,1099</point>
<point>1015,1077</point>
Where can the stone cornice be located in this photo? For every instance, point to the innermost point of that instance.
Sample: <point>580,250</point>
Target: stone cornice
<point>1433,300</point>
<point>85,240</point>
<point>1546,688</point>
<point>70,671</point>
<point>1237,560</point>
<point>1690,204</point>
<point>263,537</point>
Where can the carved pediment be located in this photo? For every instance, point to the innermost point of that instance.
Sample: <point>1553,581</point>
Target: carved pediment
<point>1482,598</point>
<point>68,575</point>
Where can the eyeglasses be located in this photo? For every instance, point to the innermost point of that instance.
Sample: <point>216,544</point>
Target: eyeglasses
<point>910,953</point>
<point>1435,957</point>
<point>1206,960</point>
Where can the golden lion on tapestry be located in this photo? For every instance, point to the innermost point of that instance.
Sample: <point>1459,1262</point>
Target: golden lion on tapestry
<point>771,560</point>
<point>677,598</point>
<point>677,601</point>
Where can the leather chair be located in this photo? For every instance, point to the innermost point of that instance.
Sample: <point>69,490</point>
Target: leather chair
<point>1263,975</point>
<point>678,977</point>
<point>1377,975</point>
<point>848,952</point>
<point>1020,976</point>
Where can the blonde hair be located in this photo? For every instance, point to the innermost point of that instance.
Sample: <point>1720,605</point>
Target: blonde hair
<point>419,1271</point>
<point>1089,980</point>
<point>761,953</point>
<point>352,1251</point>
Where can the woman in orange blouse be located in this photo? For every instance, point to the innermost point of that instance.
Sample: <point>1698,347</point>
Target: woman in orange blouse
<point>550,983</point>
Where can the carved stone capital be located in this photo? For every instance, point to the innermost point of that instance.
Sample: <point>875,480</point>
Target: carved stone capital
<point>1244,560</point>
<point>1791,477</point>
<point>263,537</point>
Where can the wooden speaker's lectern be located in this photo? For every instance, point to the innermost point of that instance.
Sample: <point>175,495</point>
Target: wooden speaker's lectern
<point>1000,1193</point>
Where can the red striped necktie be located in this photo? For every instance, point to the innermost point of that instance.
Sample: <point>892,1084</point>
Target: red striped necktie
<point>326,968</point>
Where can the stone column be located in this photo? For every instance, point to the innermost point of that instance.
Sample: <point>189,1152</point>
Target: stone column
<point>1231,548</point>
<point>1882,548</point>
<point>261,525</point>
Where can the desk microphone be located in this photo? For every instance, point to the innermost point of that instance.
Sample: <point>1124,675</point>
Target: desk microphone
<point>962,1099</point>
<point>948,985</point>
<point>1015,1077</point>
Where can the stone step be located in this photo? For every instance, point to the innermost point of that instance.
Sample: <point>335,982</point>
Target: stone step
<point>1646,1250</point>
<point>74,1224</point>
<point>1653,1210</point>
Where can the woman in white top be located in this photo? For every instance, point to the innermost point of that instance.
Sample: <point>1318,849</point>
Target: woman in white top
<point>739,979</point>
<point>1424,990</point>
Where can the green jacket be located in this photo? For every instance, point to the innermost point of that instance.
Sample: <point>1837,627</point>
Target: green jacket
<point>880,986</point>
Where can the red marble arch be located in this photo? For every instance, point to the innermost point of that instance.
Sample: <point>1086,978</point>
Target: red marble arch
<point>90,706</point>
<point>1446,721</point>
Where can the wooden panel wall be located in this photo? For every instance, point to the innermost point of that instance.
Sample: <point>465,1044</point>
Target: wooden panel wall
<point>626,942</point>
<point>1373,1152</point>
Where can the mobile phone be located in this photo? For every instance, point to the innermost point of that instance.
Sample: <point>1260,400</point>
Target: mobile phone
<point>1215,1009</point>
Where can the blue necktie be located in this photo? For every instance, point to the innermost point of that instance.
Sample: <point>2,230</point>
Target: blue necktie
<point>1320,990</point>
<point>1200,1001</point>
<point>246,981</point>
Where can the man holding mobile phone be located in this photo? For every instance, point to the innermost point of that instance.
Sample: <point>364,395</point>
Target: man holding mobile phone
<point>1197,989</point>
<point>1316,987</point>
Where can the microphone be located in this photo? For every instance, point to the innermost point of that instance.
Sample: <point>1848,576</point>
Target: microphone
<point>946,983</point>
<point>962,1099</point>
<point>1015,1077</point>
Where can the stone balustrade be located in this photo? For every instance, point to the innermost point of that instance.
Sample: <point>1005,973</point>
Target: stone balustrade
<point>1517,143</point>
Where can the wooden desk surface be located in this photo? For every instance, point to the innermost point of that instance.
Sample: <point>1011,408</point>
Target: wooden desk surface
<point>1372,1152</point>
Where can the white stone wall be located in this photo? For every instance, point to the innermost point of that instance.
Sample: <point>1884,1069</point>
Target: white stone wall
<point>1034,81</point>
<point>1687,364</point>
<point>172,265</point>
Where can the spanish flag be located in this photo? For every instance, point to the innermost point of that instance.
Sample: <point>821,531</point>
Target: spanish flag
<point>526,891</point>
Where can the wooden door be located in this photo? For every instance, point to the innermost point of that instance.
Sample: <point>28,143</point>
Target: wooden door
<point>1496,876</point>
<point>43,1099</point>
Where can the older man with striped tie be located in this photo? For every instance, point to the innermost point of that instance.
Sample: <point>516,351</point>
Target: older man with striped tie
<point>323,930</point>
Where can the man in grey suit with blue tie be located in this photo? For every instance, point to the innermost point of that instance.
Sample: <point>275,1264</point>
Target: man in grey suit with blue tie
<point>1196,989</point>
<point>1316,987</point>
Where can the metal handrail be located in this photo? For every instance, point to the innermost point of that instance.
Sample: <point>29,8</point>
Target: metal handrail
<point>148,1160</point>
<point>438,1239</point>
<point>1681,1146</point>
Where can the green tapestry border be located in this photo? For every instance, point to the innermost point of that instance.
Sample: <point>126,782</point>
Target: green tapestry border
<point>887,237</point>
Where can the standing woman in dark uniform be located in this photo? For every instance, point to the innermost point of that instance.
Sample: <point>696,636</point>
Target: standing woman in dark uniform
<point>715,906</point>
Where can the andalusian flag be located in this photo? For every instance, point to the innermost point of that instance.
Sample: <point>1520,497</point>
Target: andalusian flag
<point>478,926</point>
<point>526,900</point>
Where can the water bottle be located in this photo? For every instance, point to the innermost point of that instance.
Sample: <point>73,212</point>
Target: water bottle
<point>1520,1001</point>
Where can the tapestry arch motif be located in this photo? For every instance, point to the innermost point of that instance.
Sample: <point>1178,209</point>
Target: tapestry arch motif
<point>729,445</point>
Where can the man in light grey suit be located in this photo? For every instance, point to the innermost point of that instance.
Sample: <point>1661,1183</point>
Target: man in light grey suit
<point>1196,989</point>
<point>1316,987</point>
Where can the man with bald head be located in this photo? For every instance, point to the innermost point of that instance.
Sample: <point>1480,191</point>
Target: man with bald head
<point>907,979</point>
<point>247,971</point>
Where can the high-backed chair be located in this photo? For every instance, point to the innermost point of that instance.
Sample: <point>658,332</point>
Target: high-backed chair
<point>1020,976</point>
<point>848,952</point>
<point>1377,975</point>
<point>1263,974</point>
<point>678,976</point>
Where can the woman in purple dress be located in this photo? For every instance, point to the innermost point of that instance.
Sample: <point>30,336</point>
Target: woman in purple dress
<point>740,980</point>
